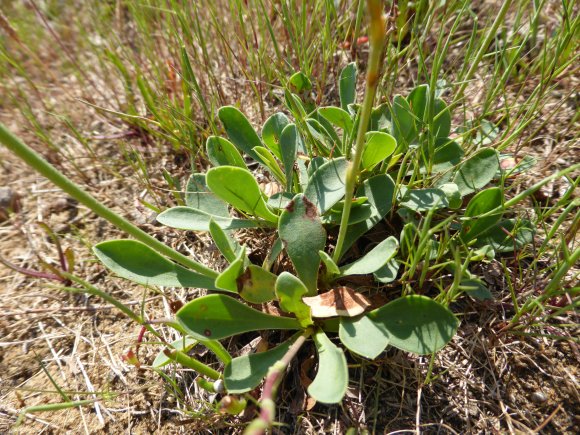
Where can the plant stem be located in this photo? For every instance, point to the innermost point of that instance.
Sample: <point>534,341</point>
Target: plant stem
<point>273,379</point>
<point>376,39</point>
<point>33,159</point>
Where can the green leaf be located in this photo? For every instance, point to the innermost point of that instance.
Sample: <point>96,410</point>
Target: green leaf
<point>447,155</point>
<point>224,242</point>
<point>347,85</point>
<point>507,235</point>
<point>424,199</point>
<point>228,279</point>
<point>270,163</point>
<point>331,268</point>
<point>240,131</point>
<point>481,203</point>
<point>442,119</point>
<point>361,336</point>
<point>272,131</point>
<point>299,82</point>
<point>221,152</point>
<point>326,185</point>
<point>329,385</point>
<point>290,290</point>
<point>184,344</point>
<point>323,141</point>
<point>186,218</point>
<point>239,188</point>
<point>303,236</point>
<point>418,100</point>
<point>256,285</point>
<point>219,316</point>
<point>378,147</point>
<point>337,116</point>
<point>290,143</point>
<point>379,190</point>
<point>476,289</point>
<point>477,171</point>
<point>280,200</point>
<point>198,196</point>
<point>403,122</point>
<point>416,324</point>
<point>245,373</point>
<point>137,262</point>
<point>387,273</point>
<point>374,259</point>
<point>452,193</point>
<point>380,118</point>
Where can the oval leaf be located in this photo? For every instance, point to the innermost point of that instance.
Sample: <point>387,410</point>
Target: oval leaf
<point>186,218</point>
<point>239,188</point>
<point>256,285</point>
<point>337,116</point>
<point>245,373</point>
<point>416,324</point>
<point>481,203</point>
<point>272,131</point>
<point>240,131</point>
<point>374,259</point>
<point>137,262</point>
<point>198,196</point>
<point>226,244</point>
<point>361,336</point>
<point>221,152</point>
<point>220,316</point>
<point>477,171</point>
<point>326,185</point>
<point>228,279</point>
<point>303,236</point>
<point>329,385</point>
<point>378,147</point>
<point>290,290</point>
<point>347,85</point>
<point>424,199</point>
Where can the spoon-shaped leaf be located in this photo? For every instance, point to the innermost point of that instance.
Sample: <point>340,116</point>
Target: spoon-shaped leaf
<point>347,85</point>
<point>378,147</point>
<point>303,236</point>
<point>224,242</point>
<point>239,188</point>
<point>137,262</point>
<point>339,117</point>
<point>481,203</point>
<point>507,235</point>
<point>240,131</point>
<point>477,171</point>
<point>186,218</point>
<point>221,152</point>
<point>387,273</point>
<point>331,381</point>
<point>326,185</point>
<point>403,122</point>
<point>361,336</point>
<point>290,290</point>
<point>270,163</point>
<point>416,324</point>
<point>379,190</point>
<point>198,196</point>
<point>256,285</point>
<point>374,259</point>
<point>331,268</point>
<point>219,316</point>
<point>424,199</point>
<point>228,279</point>
<point>290,143</point>
<point>272,131</point>
<point>245,373</point>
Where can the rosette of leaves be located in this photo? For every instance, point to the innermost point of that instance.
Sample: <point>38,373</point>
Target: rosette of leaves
<point>440,193</point>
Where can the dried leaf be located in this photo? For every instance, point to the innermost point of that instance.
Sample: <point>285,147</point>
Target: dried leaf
<point>340,301</point>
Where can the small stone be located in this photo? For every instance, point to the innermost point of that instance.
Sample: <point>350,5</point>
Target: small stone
<point>9,202</point>
<point>538,397</point>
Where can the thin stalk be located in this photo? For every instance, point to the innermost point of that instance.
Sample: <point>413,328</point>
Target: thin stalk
<point>377,40</point>
<point>34,160</point>
<point>273,379</point>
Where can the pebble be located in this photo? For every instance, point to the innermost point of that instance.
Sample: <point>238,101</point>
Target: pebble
<point>538,397</point>
<point>9,202</point>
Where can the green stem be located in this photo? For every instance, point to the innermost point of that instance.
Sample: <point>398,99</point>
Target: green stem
<point>189,362</point>
<point>33,159</point>
<point>377,39</point>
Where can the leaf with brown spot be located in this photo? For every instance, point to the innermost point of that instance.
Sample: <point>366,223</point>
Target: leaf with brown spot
<point>340,301</point>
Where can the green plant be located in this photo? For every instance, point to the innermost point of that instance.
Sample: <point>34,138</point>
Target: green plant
<point>340,172</point>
